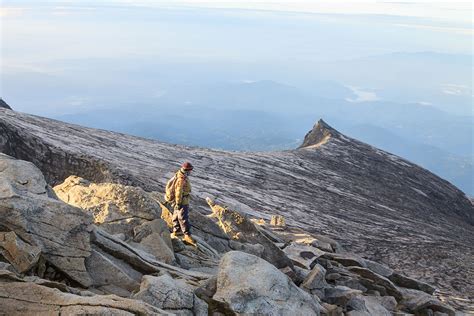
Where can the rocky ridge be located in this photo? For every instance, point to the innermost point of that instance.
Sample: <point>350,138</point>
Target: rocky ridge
<point>377,205</point>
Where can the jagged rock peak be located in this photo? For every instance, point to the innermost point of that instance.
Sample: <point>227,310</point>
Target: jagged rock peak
<point>4,104</point>
<point>319,135</point>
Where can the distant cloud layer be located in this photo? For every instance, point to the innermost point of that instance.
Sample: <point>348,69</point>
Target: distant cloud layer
<point>445,11</point>
<point>459,30</point>
<point>455,89</point>
<point>458,11</point>
<point>362,95</point>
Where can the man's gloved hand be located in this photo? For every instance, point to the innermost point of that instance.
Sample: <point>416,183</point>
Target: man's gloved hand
<point>177,207</point>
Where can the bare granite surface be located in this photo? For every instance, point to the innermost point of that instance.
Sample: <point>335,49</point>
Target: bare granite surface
<point>374,203</point>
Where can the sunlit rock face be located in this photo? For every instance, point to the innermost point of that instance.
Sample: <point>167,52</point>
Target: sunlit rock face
<point>116,208</point>
<point>319,135</point>
<point>374,203</point>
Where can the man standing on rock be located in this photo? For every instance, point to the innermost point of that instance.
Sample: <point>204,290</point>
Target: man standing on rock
<point>178,190</point>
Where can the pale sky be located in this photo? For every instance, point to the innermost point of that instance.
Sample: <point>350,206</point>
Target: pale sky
<point>454,11</point>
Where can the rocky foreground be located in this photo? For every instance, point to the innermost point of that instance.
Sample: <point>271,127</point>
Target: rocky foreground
<point>107,251</point>
<point>374,204</point>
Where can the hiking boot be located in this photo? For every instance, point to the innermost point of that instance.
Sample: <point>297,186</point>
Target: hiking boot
<point>189,240</point>
<point>175,235</point>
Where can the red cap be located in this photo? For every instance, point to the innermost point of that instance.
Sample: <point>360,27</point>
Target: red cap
<point>187,166</point>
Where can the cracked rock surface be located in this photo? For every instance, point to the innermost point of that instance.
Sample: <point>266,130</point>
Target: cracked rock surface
<point>31,299</point>
<point>59,230</point>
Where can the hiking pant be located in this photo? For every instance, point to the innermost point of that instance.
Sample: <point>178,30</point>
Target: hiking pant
<point>181,220</point>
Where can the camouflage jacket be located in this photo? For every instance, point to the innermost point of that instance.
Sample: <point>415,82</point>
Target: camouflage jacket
<point>182,189</point>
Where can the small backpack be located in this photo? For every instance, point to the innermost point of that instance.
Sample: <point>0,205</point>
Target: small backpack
<point>171,189</point>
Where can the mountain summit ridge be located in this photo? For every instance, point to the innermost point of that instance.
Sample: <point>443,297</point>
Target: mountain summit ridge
<point>319,135</point>
<point>373,202</point>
